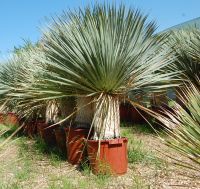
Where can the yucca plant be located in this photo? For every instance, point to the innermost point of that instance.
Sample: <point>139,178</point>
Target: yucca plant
<point>183,128</point>
<point>186,45</point>
<point>16,77</point>
<point>101,55</point>
<point>17,80</point>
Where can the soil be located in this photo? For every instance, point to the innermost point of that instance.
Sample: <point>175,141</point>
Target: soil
<point>140,175</point>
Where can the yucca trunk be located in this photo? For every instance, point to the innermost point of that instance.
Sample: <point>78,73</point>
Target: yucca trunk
<point>107,119</point>
<point>85,112</point>
<point>52,112</point>
<point>67,107</point>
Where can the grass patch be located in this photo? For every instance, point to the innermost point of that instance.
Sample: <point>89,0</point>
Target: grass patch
<point>138,154</point>
<point>24,171</point>
<point>60,182</point>
<point>18,167</point>
<point>23,146</point>
<point>138,128</point>
<point>136,150</point>
<point>14,185</point>
<point>99,180</point>
<point>85,168</point>
<point>71,183</point>
<point>102,179</point>
<point>83,184</point>
<point>138,183</point>
<point>54,155</point>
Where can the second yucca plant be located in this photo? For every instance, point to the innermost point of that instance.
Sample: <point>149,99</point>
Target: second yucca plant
<point>183,128</point>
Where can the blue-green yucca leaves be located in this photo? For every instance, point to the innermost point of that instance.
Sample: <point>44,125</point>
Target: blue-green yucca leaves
<point>106,50</point>
<point>18,76</point>
<point>9,80</point>
<point>186,44</point>
<point>28,71</point>
<point>104,53</point>
<point>183,127</point>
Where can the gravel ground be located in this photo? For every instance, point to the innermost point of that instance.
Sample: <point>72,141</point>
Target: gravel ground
<point>26,169</point>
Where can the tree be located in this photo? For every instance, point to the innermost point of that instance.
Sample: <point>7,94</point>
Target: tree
<point>105,53</point>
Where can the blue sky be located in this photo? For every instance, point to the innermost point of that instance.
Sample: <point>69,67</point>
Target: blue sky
<point>22,19</point>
